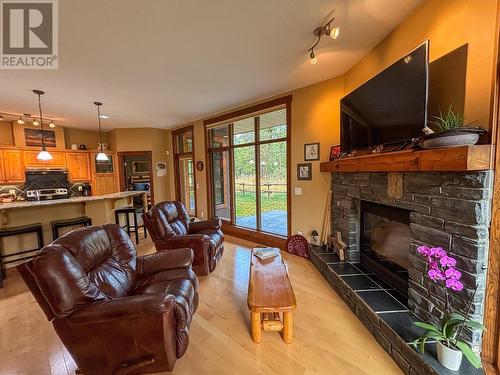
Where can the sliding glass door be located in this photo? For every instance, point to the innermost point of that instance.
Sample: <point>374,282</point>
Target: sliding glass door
<point>248,171</point>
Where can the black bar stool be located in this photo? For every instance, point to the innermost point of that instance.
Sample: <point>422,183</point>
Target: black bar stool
<point>58,224</point>
<point>15,231</point>
<point>134,210</point>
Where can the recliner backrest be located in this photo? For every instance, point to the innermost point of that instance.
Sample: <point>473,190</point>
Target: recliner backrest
<point>167,219</point>
<point>83,266</point>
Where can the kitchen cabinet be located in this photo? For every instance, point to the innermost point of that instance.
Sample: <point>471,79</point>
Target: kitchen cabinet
<point>105,184</point>
<point>13,166</point>
<point>78,164</point>
<point>105,176</point>
<point>31,161</point>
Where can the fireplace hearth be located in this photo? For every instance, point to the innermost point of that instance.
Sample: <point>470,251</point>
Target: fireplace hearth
<point>385,240</point>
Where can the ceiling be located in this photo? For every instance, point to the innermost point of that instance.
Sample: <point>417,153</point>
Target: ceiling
<point>160,63</point>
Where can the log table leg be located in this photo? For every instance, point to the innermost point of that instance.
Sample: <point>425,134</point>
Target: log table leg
<point>287,332</point>
<point>256,327</point>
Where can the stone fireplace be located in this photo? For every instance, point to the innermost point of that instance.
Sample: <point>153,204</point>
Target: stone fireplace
<point>397,212</point>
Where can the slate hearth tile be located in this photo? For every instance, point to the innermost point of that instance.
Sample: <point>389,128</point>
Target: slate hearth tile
<point>402,324</point>
<point>330,257</point>
<point>380,282</point>
<point>398,296</point>
<point>362,268</point>
<point>380,301</point>
<point>344,269</point>
<point>360,282</point>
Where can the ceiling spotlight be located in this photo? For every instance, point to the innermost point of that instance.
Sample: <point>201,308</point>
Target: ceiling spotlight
<point>35,123</point>
<point>334,33</point>
<point>52,124</point>
<point>20,121</point>
<point>312,58</point>
<point>104,117</point>
<point>318,32</point>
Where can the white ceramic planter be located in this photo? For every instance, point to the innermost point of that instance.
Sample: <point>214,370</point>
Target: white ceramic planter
<point>449,358</point>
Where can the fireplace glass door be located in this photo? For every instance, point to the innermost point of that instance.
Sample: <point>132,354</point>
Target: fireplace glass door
<point>385,243</point>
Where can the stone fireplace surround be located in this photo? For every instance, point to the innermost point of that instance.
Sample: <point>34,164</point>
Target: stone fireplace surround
<point>448,209</point>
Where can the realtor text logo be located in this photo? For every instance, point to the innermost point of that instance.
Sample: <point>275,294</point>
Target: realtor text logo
<point>29,37</point>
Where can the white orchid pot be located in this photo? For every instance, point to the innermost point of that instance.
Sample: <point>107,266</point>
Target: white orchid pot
<point>449,358</point>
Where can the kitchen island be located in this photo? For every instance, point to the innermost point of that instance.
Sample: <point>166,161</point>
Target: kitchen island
<point>100,208</point>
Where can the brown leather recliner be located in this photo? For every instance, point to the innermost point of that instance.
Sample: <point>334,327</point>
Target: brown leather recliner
<point>116,313</point>
<point>169,226</point>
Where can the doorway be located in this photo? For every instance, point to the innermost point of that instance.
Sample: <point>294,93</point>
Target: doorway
<point>136,173</point>
<point>185,179</point>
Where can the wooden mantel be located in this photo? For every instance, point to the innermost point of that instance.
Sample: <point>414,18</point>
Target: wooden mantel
<point>458,159</point>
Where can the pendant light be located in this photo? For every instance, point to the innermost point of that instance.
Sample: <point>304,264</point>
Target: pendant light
<point>44,155</point>
<point>101,156</point>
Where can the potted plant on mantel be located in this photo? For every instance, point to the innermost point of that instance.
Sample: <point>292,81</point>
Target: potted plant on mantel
<point>450,348</point>
<point>449,130</point>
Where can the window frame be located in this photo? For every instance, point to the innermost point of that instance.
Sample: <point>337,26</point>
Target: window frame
<point>229,119</point>
<point>177,155</point>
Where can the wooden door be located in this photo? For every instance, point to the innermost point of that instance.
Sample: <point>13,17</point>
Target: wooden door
<point>78,166</point>
<point>2,170</point>
<point>31,161</point>
<point>13,166</point>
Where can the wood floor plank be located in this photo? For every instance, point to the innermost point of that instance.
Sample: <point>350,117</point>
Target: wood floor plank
<point>328,338</point>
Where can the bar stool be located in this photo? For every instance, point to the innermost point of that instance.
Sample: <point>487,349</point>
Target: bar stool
<point>15,231</point>
<point>58,224</point>
<point>134,210</point>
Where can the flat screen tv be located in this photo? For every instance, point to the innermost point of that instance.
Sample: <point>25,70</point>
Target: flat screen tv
<point>389,108</point>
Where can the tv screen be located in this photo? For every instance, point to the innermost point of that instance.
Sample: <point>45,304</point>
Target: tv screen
<point>389,108</point>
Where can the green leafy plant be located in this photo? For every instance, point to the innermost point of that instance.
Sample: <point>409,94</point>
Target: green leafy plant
<point>449,120</point>
<point>448,334</point>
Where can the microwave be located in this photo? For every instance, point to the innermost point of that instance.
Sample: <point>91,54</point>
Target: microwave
<point>140,167</point>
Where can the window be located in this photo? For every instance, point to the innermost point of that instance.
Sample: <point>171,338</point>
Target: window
<point>248,170</point>
<point>185,182</point>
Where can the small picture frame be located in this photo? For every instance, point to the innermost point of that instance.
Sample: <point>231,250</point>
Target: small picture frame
<point>311,151</point>
<point>334,152</point>
<point>304,171</point>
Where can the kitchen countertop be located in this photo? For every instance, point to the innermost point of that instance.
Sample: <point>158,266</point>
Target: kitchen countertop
<point>82,199</point>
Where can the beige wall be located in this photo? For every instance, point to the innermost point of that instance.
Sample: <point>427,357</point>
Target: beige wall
<point>6,136</point>
<point>448,24</point>
<point>89,138</point>
<point>146,139</point>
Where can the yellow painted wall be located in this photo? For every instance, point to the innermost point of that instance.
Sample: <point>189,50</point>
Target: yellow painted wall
<point>146,139</point>
<point>448,24</point>
<point>89,138</point>
<point>6,136</point>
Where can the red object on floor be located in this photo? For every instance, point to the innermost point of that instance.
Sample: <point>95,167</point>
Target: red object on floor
<point>298,245</point>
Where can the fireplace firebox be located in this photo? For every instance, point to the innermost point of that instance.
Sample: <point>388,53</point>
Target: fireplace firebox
<point>385,243</point>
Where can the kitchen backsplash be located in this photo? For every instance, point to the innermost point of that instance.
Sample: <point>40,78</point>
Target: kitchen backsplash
<point>74,190</point>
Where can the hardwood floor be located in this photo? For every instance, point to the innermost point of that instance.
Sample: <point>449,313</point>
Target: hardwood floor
<point>328,338</point>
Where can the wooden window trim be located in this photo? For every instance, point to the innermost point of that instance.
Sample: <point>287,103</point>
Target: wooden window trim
<point>176,156</point>
<point>286,101</point>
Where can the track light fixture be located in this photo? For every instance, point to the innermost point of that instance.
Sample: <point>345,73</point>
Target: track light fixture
<point>326,29</point>
<point>25,118</point>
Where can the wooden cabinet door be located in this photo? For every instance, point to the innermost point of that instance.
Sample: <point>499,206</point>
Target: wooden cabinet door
<point>58,160</point>
<point>13,166</point>
<point>105,184</point>
<point>2,170</point>
<point>78,166</point>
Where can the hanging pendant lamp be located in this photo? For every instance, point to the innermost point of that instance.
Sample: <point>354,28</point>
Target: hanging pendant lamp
<point>101,156</point>
<point>43,155</point>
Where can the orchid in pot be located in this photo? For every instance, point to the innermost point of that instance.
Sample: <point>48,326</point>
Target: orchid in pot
<point>450,348</point>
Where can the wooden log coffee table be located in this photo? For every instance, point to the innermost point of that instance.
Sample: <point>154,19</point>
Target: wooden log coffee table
<point>269,295</point>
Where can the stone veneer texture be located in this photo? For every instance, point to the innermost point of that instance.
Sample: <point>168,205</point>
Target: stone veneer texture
<point>451,210</point>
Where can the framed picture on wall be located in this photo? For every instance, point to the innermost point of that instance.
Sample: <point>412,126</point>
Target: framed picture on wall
<point>304,171</point>
<point>33,137</point>
<point>334,152</point>
<point>311,151</point>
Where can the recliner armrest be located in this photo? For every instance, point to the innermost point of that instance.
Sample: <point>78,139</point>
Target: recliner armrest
<point>204,225</point>
<point>123,308</point>
<point>159,261</point>
<point>182,241</point>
